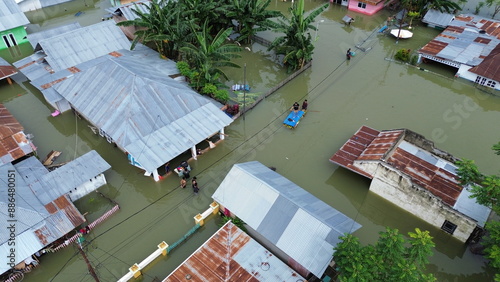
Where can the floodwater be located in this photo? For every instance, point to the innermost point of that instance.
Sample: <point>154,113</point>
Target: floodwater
<point>367,90</point>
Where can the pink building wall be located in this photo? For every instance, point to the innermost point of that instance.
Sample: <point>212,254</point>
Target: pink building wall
<point>369,10</point>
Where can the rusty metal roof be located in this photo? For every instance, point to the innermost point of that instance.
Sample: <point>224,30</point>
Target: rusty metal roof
<point>6,69</point>
<point>13,142</point>
<point>490,66</point>
<point>354,148</point>
<point>414,156</point>
<point>231,255</point>
<point>37,224</point>
<point>467,40</point>
<point>305,228</point>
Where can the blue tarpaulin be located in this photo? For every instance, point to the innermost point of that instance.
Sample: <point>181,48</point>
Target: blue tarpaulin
<point>292,120</point>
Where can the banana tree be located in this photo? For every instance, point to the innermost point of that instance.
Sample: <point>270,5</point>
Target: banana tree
<point>296,43</point>
<point>208,54</point>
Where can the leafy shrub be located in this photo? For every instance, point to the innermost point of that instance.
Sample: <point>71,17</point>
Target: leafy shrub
<point>414,60</point>
<point>403,55</point>
<point>209,89</point>
<point>222,96</point>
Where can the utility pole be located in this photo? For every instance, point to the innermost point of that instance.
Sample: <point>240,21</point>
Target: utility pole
<point>89,266</point>
<point>244,89</point>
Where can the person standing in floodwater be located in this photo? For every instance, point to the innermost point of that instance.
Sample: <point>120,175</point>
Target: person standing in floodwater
<point>304,105</point>
<point>183,182</point>
<point>348,54</point>
<point>195,185</point>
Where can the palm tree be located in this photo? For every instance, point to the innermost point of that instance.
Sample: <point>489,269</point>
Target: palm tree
<point>252,16</point>
<point>209,54</point>
<point>295,45</point>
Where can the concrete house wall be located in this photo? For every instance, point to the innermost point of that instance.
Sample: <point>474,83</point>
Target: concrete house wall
<point>364,7</point>
<point>87,187</point>
<point>398,189</point>
<point>13,37</point>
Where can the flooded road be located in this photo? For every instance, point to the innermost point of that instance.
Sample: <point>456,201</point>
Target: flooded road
<point>367,90</point>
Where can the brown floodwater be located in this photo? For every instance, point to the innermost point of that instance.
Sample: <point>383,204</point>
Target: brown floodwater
<point>368,90</point>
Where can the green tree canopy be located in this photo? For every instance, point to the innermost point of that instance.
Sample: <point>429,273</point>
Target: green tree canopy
<point>252,16</point>
<point>486,190</point>
<point>296,44</point>
<point>392,258</point>
<point>209,54</point>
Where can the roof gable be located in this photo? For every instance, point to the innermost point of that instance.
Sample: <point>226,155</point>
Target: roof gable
<point>301,225</point>
<point>83,44</point>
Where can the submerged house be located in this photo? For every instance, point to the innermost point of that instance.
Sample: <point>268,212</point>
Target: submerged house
<point>232,255</point>
<point>470,44</point>
<point>293,224</point>
<point>12,23</point>
<point>44,209</point>
<point>367,7</point>
<point>6,70</point>
<point>407,170</point>
<point>14,143</point>
<point>132,98</point>
<point>436,19</point>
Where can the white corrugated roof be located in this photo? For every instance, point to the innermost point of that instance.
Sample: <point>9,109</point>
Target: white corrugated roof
<point>301,225</point>
<point>145,112</point>
<point>11,16</point>
<point>83,44</point>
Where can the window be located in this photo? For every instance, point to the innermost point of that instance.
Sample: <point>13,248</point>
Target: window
<point>491,83</point>
<point>361,5</point>
<point>6,40</point>
<point>449,226</point>
<point>13,40</point>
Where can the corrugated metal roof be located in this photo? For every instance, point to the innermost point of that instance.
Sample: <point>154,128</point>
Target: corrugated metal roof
<point>490,66</point>
<point>13,142</point>
<point>416,157</point>
<point>34,38</point>
<point>467,40</point>
<point>37,224</point>
<point>126,10</point>
<point>467,205</point>
<point>49,185</point>
<point>353,149</point>
<point>145,112</point>
<point>301,225</point>
<point>231,255</point>
<point>437,18</point>
<point>11,16</point>
<point>83,44</point>
<point>6,69</point>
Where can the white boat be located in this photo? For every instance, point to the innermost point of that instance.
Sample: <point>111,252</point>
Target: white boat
<point>401,33</point>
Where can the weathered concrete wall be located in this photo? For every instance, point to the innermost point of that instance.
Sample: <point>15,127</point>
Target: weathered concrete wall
<point>87,187</point>
<point>367,166</point>
<point>399,190</point>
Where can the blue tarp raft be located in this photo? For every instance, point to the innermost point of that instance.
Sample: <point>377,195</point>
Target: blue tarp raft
<point>293,119</point>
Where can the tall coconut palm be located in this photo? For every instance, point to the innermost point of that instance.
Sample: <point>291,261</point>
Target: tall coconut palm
<point>209,54</point>
<point>296,44</point>
<point>252,16</point>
